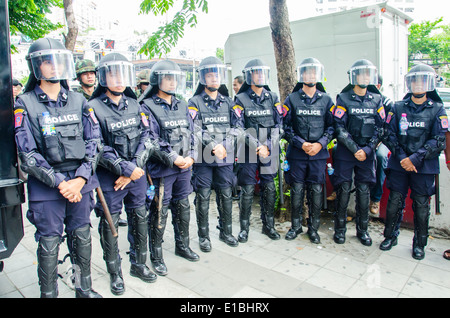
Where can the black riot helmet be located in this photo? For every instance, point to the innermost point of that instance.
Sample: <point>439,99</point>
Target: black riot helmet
<point>421,79</point>
<point>363,73</point>
<point>310,72</point>
<point>114,70</point>
<point>48,59</point>
<point>212,74</point>
<point>257,73</point>
<point>166,76</point>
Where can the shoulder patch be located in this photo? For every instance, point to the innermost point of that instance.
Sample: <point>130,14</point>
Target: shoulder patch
<point>389,117</point>
<point>144,120</point>
<point>18,118</point>
<point>332,109</point>
<point>282,109</point>
<point>238,109</point>
<point>193,111</point>
<point>381,112</point>
<point>444,122</point>
<point>92,115</point>
<point>339,112</point>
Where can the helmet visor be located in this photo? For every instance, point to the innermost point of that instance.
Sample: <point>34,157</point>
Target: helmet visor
<point>213,75</point>
<point>420,82</point>
<point>310,73</point>
<point>53,65</point>
<point>118,74</point>
<point>172,82</point>
<point>258,75</point>
<point>364,75</point>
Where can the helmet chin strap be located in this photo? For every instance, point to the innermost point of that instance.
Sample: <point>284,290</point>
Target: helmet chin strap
<point>114,93</point>
<point>363,86</point>
<point>211,89</point>
<point>310,84</point>
<point>419,95</point>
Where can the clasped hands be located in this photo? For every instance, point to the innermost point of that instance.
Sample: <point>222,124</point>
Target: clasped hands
<point>311,149</point>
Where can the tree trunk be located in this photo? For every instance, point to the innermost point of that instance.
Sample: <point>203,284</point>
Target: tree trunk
<point>285,61</point>
<point>283,47</point>
<point>71,37</point>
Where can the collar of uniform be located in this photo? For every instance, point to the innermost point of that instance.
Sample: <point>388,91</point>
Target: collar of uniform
<point>368,96</point>
<point>428,103</point>
<point>123,103</point>
<point>217,102</point>
<point>43,97</point>
<point>317,94</point>
<point>253,95</point>
<point>160,101</point>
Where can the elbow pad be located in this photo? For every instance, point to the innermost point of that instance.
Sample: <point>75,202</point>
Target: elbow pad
<point>46,176</point>
<point>344,138</point>
<point>433,152</point>
<point>143,156</point>
<point>96,158</point>
<point>112,165</point>
<point>162,157</point>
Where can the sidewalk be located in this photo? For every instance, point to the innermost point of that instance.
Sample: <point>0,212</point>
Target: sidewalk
<point>260,268</point>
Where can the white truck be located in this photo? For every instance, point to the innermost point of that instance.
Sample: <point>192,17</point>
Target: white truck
<point>378,33</point>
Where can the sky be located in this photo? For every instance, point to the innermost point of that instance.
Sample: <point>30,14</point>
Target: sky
<point>232,16</point>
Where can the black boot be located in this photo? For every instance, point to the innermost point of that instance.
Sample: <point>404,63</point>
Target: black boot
<point>315,203</point>
<point>202,210</point>
<point>245,210</point>
<point>340,215</point>
<point>157,225</point>
<point>139,232</point>
<point>47,255</point>
<point>268,211</point>
<point>181,229</point>
<point>80,248</point>
<point>421,209</point>
<point>111,254</point>
<point>225,208</point>
<point>297,197</point>
<point>362,213</point>
<point>394,210</point>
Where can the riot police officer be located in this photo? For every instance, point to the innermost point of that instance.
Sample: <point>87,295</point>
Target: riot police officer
<point>308,127</point>
<point>261,111</point>
<point>358,117</point>
<point>214,120</point>
<point>169,122</point>
<point>85,70</point>
<point>59,143</point>
<point>121,171</point>
<point>417,127</point>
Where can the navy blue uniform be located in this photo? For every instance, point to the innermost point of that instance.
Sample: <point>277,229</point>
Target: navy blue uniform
<point>303,167</point>
<point>209,168</point>
<point>215,122</point>
<point>247,160</point>
<point>422,143</point>
<point>358,124</point>
<point>263,125</point>
<point>308,119</point>
<point>158,169</point>
<point>48,210</point>
<point>172,126</point>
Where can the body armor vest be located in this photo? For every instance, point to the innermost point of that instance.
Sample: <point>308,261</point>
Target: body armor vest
<point>215,122</point>
<point>309,120</point>
<point>419,126</point>
<point>257,115</point>
<point>174,125</point>
<point>361,117</point>
<point>120,128</point>
<point>66,149</point>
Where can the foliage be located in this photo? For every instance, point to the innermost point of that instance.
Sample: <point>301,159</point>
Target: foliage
<point>430,38</point>
<point>167,36</point>
<point>27,17</point>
